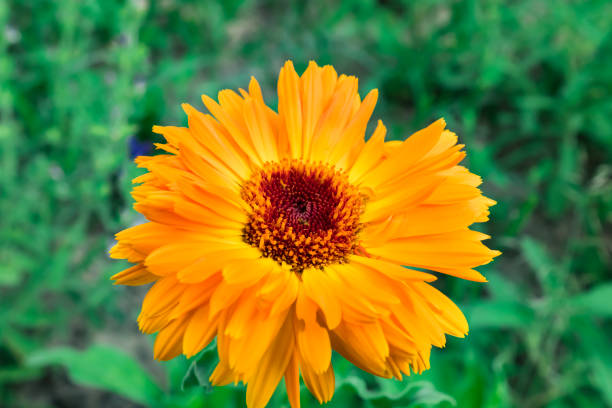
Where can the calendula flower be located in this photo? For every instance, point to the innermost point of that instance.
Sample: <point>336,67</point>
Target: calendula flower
<point>286,236</point>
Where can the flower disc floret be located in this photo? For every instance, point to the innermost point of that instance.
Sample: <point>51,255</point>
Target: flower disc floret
<point>302,214</point>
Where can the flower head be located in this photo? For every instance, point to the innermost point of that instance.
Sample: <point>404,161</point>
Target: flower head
<point>286,236</point>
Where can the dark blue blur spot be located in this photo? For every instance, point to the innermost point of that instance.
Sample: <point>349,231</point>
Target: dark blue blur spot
<point>139,147</point>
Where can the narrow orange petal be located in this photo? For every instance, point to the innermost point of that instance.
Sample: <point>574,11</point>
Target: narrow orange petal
<point>272,367</point>
<point>321,385</point>
<point>169,341</point>
<point>134,276</point>
<point>411,150</point>
<point>290,107</point>
<point>200,331</point>
<point>292,382</point>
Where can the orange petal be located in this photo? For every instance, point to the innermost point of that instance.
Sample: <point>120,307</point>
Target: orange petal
<point>321,385</point>
<point>312,339</point>
<point>370,155</point>
<point>290,108</point>
<point>414,148</point>
<point>355,130</point>
<point>317,287</point>
<point>169,341</point>
<point>392,270</point>
<point>248,272</point>
<point>199,332</point>
<point>272,367</point>
<point>213,262</point>
<point>134,276</point>
<point>453,253</point>
<point>292,382</point>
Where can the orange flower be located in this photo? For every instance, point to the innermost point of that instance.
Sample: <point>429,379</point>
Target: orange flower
<point>284,235</point>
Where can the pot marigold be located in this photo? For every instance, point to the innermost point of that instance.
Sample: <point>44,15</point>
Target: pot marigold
<point>287,235</point>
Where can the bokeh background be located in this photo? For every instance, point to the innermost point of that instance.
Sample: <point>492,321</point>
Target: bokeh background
<point>525,84</point>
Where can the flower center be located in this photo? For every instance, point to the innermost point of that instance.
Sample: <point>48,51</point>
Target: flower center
<point>303,214</point>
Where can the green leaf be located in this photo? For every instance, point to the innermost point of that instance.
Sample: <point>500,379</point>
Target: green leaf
<point>548,271</point>
<point>498,315</point>
<point>502,288</point>
<point>537,256</point>
<point>421,393</point>
<point>15,374</point>
<point>102,367</point>
<point>596,346</point>
<point>201,368</point>
<point>596,302</point>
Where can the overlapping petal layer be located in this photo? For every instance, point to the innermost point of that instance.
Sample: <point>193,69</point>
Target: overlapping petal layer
<point>270,319</point>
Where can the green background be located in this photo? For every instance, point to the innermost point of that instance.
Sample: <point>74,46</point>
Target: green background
<point>525,84</point>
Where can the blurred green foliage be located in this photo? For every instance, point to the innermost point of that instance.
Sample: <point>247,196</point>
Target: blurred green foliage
<point>526,85</point>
